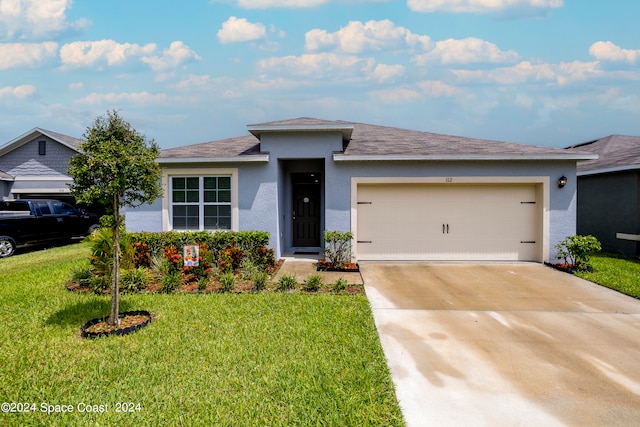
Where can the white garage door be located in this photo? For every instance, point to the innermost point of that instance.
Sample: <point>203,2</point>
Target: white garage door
<point>448,222</point>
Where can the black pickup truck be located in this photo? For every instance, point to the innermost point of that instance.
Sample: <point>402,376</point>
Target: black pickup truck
<point>34,221</point>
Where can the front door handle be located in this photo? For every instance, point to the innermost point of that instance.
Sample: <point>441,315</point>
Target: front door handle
<point>447,228</point>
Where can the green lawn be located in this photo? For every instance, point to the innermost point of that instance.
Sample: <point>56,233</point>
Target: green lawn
<point>616,272</point>
<point>217,359</point>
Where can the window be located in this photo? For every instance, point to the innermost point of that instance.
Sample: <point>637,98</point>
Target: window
<point>201,202</point>
<point>62,208</point>
<point>42,148</point>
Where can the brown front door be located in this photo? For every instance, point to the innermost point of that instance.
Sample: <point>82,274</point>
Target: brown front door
<point>306,209</point>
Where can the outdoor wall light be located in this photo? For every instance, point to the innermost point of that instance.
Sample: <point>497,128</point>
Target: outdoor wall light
<point>562,181</point>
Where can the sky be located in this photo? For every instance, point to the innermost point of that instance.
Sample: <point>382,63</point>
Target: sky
<point>545,72</point>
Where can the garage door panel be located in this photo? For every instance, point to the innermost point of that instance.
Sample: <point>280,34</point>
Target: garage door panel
<point>448,222</point>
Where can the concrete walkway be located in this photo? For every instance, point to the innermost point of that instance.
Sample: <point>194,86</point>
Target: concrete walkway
<point>506,344</point>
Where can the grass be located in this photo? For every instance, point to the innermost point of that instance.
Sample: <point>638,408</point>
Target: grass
<point>616,272</point>
<point>216,359</point>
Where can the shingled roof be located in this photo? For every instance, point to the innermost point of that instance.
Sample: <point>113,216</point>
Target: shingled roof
<point>615,152</point>
<point>6,177</point>
<point>66,140</point>
<point>368,142</point>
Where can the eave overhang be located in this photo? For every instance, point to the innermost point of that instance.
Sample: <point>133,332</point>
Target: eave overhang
<point>339,157</point>
<point>345,129</point>
<point>609,170</point>
<point>254,158</point>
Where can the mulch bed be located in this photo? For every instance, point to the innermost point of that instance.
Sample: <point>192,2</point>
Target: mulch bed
<point>346,268</point>
<point>569,268</point>
<point>130,322</point>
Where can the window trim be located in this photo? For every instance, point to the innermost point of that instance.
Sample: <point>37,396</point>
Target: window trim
<point>169,173</point>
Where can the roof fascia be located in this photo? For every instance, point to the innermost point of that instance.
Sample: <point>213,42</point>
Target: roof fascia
<point>345,129</point>
<point>609,170</point>
<point>253,158</point>
<point>338,157</point>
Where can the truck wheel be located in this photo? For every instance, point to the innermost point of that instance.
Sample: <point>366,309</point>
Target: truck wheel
<point>93,228</point>
<point>7,246</point>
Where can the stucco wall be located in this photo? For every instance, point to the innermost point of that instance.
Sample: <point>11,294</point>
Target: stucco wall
<point>608,204</point>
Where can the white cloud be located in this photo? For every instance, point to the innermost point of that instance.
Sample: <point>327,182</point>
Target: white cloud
<point>238,30</point>
<point>436,88</point>
<point>607,51</point>
<point>265,4</point>
<point>30,19</point>
<point>321,65</point>
<point>26,54</point>
<point>102,52</point>
<point>177,54</point>
<point>523,72</point>
<point>138,98</point>
<point>400,95</point>
<point>24,91</point>
<point>466,51</point>
<point>357,37</point>
<point>383,72</point>
<point>480,6</point>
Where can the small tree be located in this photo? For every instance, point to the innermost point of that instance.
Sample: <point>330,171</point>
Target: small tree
<point>116,168</point>
<point>337,249</point>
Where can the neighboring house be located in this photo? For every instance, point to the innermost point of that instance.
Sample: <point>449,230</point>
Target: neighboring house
<point>405,195</point>
<point>35,165</point>
<point>609,193</point>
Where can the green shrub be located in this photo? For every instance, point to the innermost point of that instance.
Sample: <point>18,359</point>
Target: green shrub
<point>203,282</point>
<point>313,283</point>
<point>135,280</point>
<point>287,282</point>
<point>81,276</point>
<point>340,285</point>
<point>251,242</point>
<point>227,281</point>
<point>577,250</point>
<point>170,282</point>
<point>248,269</point>
<point>259,279</point>
<point>101,244</point>
<point>99,283</point>
<point>337,248</point>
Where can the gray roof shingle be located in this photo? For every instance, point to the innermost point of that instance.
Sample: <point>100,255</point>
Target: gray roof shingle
<point>367,140</point>
<point>383,140</point>
<point>231,147</point>
<point>5,176</point>
<point>614,152</point>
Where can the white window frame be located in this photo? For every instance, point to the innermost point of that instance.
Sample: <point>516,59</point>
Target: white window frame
<point>167,200</point>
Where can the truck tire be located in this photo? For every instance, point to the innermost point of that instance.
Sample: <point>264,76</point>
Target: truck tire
<point>7,246</point>
<point>92,228</point>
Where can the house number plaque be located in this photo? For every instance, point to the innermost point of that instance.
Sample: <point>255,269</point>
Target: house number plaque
<point>448,180</point>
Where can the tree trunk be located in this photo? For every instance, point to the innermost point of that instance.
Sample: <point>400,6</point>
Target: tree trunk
<point>115,284</point>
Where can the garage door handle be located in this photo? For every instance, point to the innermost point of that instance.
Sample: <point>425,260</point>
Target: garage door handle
<point>527,241</point>
<point>365,241</point>
<point>445,227</point>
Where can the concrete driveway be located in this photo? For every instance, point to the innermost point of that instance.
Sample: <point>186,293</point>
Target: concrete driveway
<point>506,344</point>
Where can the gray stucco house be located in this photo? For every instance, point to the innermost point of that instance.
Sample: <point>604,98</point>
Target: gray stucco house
<point>405,195</point>
<point>34,165</point>
<point>609,193</point>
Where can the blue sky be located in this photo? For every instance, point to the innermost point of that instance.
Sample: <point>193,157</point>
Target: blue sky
<point>544,72</point>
